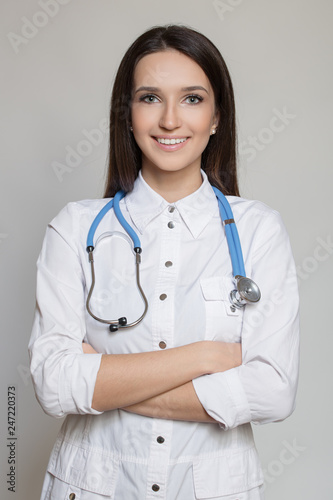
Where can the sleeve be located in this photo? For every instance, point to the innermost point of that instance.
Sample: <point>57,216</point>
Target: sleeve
<point>263,388</point>
<point>63,376</point>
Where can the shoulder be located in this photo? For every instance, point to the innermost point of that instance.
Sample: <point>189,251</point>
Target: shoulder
<point>78,210</point>
<point>257,221</point>
<point>73,221</point>
<point>253,212</point>
<point>247,207</point>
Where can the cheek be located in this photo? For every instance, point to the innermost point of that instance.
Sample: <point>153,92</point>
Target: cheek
<point>203,121</point>
<point>201,127</point>
<point>142,117</point>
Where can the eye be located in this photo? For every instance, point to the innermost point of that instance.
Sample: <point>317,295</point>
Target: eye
<point>148,98</point>
<point>194,97</point>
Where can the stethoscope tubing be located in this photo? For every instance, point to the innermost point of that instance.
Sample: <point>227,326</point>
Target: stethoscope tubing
<point>239,297</point>
<point>129,230</point>
<point>96,221</point>
<point>231,231</point>
<point>92,286</point>
<point>232,235</point>
<point>115,204</point>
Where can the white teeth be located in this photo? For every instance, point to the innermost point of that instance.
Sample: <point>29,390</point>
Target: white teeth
<point>171,141</point>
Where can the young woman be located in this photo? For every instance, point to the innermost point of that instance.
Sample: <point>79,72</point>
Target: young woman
<point>162,409</point>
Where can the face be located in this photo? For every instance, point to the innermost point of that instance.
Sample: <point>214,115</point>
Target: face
<point>172,101</point>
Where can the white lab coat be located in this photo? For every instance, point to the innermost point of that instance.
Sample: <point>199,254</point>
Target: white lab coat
<point>125,456</point>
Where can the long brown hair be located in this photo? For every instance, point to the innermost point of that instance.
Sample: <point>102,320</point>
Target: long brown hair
<point>219,157</point>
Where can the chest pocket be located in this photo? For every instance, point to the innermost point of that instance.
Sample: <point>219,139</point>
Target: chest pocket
<point>223,322</point>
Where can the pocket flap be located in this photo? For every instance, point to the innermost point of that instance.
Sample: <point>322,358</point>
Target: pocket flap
<point>84,468</point>
<point>211,288</point>
<point>219,288</point>
<point>227,475</point>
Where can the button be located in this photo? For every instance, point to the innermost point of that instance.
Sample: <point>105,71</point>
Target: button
<point>171,209</point>
<point>162,344</point>
<point>171,224</point>
<point>168,263</point>
<point>160,439</point>
<point>72,496</point>
<point>163,296</point>
<point>155,487</point>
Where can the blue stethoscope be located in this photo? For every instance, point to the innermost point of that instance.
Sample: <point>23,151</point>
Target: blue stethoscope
<point>246,289</point>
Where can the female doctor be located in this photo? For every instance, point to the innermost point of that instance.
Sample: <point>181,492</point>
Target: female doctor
<point>162,409</point>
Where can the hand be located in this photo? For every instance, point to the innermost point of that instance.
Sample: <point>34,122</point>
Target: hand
<point>87,349</point>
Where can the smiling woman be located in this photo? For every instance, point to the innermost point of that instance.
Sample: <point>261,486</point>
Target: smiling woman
<point>171,119</point>
<point>138,396</point>
<point>172,75</point>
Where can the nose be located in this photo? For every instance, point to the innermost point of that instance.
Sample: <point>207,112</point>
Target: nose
<point>170,116</point>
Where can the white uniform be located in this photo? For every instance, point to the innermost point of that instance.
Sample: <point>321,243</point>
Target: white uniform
<point>186,274</point>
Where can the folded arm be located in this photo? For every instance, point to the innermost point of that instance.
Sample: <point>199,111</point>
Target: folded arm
<point>180,403</point>
<point>66,380</point>
<point>262,389</point>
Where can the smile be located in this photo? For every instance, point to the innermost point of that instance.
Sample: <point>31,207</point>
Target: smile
<point>171,141</point>
<point>173,144</point>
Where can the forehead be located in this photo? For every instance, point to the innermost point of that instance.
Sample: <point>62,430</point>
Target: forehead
<point>169,68</point>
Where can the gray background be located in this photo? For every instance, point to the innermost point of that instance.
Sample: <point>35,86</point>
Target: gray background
<point>56,90</point>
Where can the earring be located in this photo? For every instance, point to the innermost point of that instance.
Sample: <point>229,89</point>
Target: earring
<point>214,131</point>
<point>131,129</point>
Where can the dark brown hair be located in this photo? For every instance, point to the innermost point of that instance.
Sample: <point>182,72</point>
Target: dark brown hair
<point>219,157</point>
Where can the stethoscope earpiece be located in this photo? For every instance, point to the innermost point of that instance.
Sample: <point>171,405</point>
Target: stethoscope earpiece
<point>114,327</point>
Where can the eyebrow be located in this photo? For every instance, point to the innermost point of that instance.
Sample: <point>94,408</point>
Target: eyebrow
<point>184,89</point>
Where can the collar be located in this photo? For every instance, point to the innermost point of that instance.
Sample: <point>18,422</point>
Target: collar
<point>196,209</point>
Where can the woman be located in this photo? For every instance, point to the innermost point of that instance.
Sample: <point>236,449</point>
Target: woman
<point>164,409</point>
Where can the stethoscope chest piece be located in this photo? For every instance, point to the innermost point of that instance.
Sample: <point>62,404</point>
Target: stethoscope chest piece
<point>247,292</point>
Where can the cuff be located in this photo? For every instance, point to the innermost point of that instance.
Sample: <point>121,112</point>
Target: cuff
<point>76,391</point>
<point>222,396</point>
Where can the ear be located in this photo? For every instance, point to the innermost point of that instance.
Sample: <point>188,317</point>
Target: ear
<point>216,119</point>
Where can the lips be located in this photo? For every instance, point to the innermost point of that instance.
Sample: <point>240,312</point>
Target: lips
<point>171,141</point>
<point>171,147</point>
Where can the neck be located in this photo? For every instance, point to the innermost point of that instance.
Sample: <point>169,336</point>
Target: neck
<point>172,186</point>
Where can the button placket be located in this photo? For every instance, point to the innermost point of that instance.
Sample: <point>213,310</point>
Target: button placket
<point>157,470</point>
<point>162,305</point>
<point>171,223</point>
<point>162,311</point>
